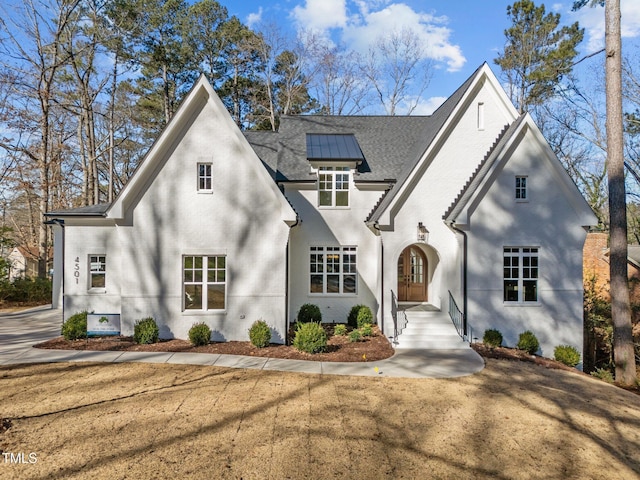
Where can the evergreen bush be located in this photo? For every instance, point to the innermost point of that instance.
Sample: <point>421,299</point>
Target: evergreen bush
<point>528,342</point>
<point>309,313</point>
<point>260,334</point>
<point>340,329</point>
<point>492,338</point>
<point>310,337</point>
<point>75,327</point>
<point>200,334</point>
<point>365,317</point>
<point>352,318</point>
<point>355,336</point>
<point>567,354</point>
<point>366,330</point>
<point>146,331</point>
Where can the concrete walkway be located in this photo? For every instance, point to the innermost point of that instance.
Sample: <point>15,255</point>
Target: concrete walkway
<point>20,331</point>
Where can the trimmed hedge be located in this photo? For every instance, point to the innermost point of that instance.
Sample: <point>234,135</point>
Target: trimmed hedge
<point>75,327</point>
<point>260,334</point>
<point>146,331</point>
<point>200,334</point>
<point>365,317</point>
<point>310,337</point>
<point>528,342</point>
<point>309,313</point>
<point>492,338</point>
<point>567,354</point>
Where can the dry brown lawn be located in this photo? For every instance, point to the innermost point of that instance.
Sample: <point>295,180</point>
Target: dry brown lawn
<point>513,420</point>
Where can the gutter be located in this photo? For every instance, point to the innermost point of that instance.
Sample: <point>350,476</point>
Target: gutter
<point>377,227</point>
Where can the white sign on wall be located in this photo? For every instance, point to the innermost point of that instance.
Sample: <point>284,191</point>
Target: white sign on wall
<point>103,324</point>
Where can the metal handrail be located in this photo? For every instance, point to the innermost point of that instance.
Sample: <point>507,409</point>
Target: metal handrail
<point>397,326</point>
<point>457,317</point>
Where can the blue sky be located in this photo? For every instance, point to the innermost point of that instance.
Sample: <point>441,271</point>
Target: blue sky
<point>462,33</point>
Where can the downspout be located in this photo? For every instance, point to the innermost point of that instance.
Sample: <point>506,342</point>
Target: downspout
<point>60,223</point>
<point>377,227</point>
<point>287,286</point>
<point>464,276</point>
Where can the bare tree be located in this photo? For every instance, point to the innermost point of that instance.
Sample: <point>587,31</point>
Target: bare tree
<point>31,48</point>
<point>336,80</point>
<point>398,69</point>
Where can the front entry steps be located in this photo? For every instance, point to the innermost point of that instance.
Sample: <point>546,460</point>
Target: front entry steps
<point>429,329</point>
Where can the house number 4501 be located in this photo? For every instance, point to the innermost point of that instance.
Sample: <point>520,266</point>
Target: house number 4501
<point>76,270</point>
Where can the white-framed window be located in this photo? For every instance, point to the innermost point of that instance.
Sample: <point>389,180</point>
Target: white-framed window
<point>521,188</point>
<point>332,270</point>
<point>333,186</point>
<point>97,271</point>
<point>204,177</point>
<point>204,280</point>
<point>520,274</point>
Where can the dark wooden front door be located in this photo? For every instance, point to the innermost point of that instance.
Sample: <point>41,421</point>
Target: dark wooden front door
<point>412,275</point>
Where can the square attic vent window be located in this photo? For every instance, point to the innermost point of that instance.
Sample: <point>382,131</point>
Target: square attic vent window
<point>333,147</point>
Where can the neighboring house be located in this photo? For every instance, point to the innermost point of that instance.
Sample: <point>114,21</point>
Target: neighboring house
<point>218,226</point>
<point>596,266</point>
<point>23,262</point>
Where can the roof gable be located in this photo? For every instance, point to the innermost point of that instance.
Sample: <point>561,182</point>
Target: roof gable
<point>477,186</point>
<point>444,119</point>
<point>201,96</point>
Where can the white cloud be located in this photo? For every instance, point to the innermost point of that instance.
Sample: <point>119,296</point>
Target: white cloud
<point>254,18</point>
<point>361,26</point>
<point>321,14</point>
<point>592,20</point>
<point>428,106</point>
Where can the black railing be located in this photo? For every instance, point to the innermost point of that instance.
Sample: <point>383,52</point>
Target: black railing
<point>457,317</point>
<point>398,323</point>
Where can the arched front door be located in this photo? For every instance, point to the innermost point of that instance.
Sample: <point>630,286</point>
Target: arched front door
<point>412,275</point>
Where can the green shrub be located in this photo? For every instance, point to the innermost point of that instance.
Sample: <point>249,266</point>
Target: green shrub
<point>355,336</point>
<point>365,317</point>
<point>340,329</point>
<point>603,374</point>
<point>309,313</point>
<point>75,327</point>
<point>352,319</point>
<point>260,334</point>
<point>146,331</point>
<point>528,342</point>
<point>492,338</point>
<point>366,330</point>
<point>200,334</point>
<point>310,337</point>
<point>567,354</point>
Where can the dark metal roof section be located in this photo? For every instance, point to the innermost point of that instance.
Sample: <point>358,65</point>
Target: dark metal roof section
<point>90,211</point>
<point>321,146</point>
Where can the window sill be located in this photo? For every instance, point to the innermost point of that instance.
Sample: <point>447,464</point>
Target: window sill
<point>522,200</point>
<point>334,295</point>
<point>97,291</point>
<point>327,207</point>
<point>204,312</point>
<point>522,304</point>
<point>205,192</point>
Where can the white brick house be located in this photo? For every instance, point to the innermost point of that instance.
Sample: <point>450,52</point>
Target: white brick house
<point>223,227</point>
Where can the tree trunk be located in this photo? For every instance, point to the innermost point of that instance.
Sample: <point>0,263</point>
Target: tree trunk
<point>624,358</point>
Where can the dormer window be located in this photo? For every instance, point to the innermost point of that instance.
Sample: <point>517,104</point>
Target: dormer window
<point>334,155</point>
<point>333,186</point>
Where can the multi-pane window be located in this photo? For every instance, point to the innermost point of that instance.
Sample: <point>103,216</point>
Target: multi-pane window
<point>205,280</point>
<point>332,270</point>
<point>97,271</point>
<point>521,188</point>
<point>520,274</point>
<point>204,177</point>
<point>333,186</point>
